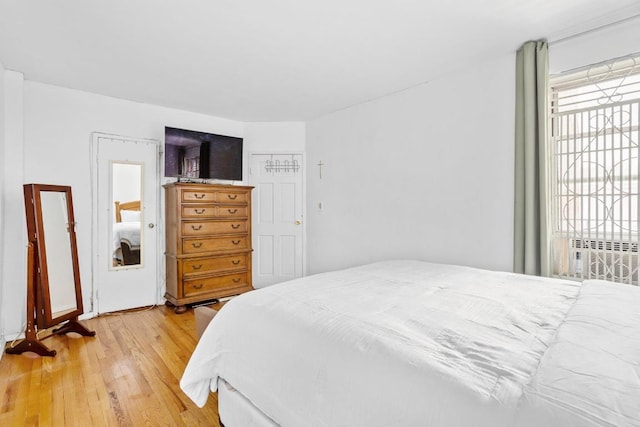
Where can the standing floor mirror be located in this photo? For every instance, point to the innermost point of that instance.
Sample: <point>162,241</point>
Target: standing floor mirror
<point>54,295</point>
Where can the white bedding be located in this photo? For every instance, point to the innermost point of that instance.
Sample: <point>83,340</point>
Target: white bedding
<point>408,343</point>
<point>128,232</point>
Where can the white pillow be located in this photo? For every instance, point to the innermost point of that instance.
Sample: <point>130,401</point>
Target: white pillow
<point>130,216</point>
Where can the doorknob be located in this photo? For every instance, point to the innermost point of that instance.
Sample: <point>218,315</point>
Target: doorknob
<point>298,222</point>
<point>151,225</point>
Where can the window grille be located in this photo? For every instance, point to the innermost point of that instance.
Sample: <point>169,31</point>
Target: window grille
<point>594,164</point>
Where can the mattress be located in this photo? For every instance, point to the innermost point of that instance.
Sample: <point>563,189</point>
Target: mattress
<point>237,410</point>
<point>409,343</point>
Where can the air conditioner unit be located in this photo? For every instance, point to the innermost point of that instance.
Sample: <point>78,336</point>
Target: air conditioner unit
<point>613,260</point>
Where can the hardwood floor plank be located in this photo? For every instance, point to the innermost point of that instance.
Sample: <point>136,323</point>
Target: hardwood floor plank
<point>46,393</point>
<point>22,391</point>
<point>127,375</point>
<point>35,383</point>
<point>7,390</point>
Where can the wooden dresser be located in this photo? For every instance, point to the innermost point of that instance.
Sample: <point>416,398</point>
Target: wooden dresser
<point>208,241</point>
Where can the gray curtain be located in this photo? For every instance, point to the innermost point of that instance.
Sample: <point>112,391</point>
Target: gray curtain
<point>530,231</point>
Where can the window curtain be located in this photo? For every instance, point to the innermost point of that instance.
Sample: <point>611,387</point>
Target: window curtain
<point>530,231</point>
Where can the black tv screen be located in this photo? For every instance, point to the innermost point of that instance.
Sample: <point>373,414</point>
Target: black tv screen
<point>191,154</point>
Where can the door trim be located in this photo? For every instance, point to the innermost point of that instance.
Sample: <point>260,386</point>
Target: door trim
<point>304,194</point>
<point>95,136</point>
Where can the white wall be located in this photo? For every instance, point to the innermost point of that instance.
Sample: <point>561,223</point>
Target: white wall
<point>275,137</point>
<point>426,173</point>
<point>594,47</point>
<point>14,239</point>
<point>2,157</point>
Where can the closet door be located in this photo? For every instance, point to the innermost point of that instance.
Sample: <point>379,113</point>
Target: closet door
<point>277,217</point>
<point>125,228</point>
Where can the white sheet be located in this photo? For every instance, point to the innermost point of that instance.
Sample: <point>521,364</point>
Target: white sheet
<point>590,375</point>
<point>128,232</point>
<point>404,343</point>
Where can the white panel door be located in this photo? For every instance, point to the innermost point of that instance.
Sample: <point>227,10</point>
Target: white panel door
<point>127,171</point>
<point>277,217</point>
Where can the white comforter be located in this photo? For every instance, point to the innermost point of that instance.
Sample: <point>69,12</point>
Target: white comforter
<point>408,343</point>
<point>128,232</point>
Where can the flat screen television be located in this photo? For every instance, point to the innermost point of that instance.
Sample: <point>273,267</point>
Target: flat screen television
<point>191,154</point>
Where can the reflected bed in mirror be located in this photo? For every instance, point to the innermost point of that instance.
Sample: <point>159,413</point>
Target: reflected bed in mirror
<point>126,234</point>
<point>125,230</point>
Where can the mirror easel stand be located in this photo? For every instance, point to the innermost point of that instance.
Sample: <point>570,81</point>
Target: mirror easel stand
<point>49,208</point>
<point>30,341</point>
<point>73,325</point>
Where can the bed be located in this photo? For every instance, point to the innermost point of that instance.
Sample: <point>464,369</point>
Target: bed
<point>126,233</point>
<point>410,343</point>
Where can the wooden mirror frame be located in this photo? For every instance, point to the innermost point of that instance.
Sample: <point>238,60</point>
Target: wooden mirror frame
<point>35,231</point>
<point>39,313</point>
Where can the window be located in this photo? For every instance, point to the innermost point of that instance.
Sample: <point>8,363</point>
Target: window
<point>593,167</point>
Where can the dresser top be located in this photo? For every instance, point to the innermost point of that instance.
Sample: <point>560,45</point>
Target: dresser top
<point>192,185</point>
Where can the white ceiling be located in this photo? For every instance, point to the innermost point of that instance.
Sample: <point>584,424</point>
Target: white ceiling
<point>273,60</point>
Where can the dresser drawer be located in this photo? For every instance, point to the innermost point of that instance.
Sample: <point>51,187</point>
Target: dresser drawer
<point>214,244</point>
<point>198,196</point>
<point>232,211</point>
<point>213,227</point>
<point>209,211</point>
<point>220,196</point>
<point>211,284</point>
<point>230,196</point>
<point>195,211</point>
<point>198,266</point>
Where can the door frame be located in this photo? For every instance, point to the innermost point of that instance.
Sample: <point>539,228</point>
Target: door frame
<point>304,194</point>
<point>159,220</point>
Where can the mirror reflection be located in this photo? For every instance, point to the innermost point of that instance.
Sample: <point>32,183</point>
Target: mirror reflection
<point>126,184</point>
<point>56,227</point>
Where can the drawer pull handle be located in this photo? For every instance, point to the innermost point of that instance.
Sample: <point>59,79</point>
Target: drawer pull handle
<point>235,226</point>
<point>199,196</point>
<point>197,245</point>
<point>236,242</point>
<point>198,286</point>
<point>194,228</point>
<point>235,261</point>
<point>232,211</point>
<point>236,280</point>
<point>197,267</point>
<point>199,211</point>
<point>232,196</point>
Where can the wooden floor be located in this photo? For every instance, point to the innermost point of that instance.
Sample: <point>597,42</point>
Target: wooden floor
<point>127,375</point>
